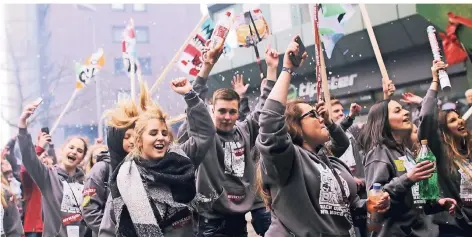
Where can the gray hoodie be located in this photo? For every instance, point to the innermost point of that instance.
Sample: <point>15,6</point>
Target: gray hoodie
<point>389,166</point>
<point>451,184</point>
<point>61,193</point>
<point>307,200</point>
<point>95,193</point>
<point>11,219</point>
<point>226,177</point>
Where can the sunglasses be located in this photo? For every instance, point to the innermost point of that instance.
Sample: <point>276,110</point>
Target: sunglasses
<point>312,113</point>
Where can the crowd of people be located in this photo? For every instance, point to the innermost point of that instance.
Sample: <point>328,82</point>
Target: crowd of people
<point>297,168</point>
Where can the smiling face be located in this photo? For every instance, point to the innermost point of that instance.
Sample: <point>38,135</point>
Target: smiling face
<point>313,128</point>
<point>398,118</point>
<point>456,125</point>
<point>73,153</point>
<point>155,139</point>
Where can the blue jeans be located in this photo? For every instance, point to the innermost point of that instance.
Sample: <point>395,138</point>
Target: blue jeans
<point>228,226</point>
<point>260,220</point>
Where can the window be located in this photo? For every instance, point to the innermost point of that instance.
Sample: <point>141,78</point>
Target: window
<point>146,67</point>
<point>117,32</point>
<point>139,7</point>
<point>145,62</point>
<point>142,34</point>
<point>118,7</point>
<point>281,17</point>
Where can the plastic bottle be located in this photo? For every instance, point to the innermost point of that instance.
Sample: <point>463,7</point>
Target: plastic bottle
<point>428,188</point>
<point>221,31</point>
<point>374,219</point>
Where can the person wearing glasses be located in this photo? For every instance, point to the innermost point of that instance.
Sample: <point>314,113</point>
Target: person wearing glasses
<point>308,193</point>
<point>451,144</point>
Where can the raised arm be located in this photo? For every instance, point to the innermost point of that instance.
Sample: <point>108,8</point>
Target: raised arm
<point>428,128</point>
<point>241,89</point>
<point>252,121</point>
<point>201,130</point>
<point>274,142</point>
<point>37,170</point>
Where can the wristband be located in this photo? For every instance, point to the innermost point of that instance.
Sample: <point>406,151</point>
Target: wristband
<point>292,73</point>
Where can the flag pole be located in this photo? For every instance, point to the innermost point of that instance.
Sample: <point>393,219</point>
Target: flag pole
<point>373,41</point>
<point>177,54</point>
<point>63,112</point>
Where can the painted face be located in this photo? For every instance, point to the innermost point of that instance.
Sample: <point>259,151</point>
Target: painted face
<point>155,140</point>
<point>313,127</point>
<point>398,118</point>
<point>225,114</point>
<point>456,125</point>
<point>73,153</point>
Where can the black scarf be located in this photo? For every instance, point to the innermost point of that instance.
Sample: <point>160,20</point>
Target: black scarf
<point>174,170</point>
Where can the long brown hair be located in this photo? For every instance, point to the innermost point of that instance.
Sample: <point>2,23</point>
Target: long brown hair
<point>452,146</point>
<point>292,120</point>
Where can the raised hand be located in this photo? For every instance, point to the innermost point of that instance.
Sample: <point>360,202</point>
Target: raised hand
<point>238,85</point>
<point>27,112</point>
<point>438,65</point>
<point>293,47</point>
<point>210,56</point>
<point>181,85</point>
<point>388,88</point>
<point>355,110</point>
<point>271,57</point>
<point>323,112</point>
<point>411,98</point>
<point>44,139</point>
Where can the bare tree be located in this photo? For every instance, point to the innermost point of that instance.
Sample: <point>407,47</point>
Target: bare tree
<point>21,83</point>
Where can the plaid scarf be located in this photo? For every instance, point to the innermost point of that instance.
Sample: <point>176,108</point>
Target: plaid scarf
<point>133,187</point>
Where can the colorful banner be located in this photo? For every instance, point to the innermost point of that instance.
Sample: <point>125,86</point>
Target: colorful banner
<point>332,18</point>
<point>86,72</point>
<point>243,33</point>
<point>190,60</point>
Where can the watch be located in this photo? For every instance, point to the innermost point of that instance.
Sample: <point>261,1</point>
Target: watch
<point>286,69</point>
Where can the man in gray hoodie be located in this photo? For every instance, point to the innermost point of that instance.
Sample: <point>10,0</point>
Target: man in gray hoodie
<point>225,179</point>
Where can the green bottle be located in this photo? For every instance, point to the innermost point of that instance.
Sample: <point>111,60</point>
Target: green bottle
<point>428,188</point>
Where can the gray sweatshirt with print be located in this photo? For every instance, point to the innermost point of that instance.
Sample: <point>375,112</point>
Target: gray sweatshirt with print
<point>226,177</point>
<point>61,193</point>
<point>387,166</point>
<point>307,200</point>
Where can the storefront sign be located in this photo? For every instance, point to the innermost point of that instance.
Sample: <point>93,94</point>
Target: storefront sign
<point>309,88</point>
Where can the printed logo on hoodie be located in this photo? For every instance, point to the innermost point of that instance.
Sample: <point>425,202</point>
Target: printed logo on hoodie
<point>465,188</point>
<point>71,197</point>
<point>234,158</point>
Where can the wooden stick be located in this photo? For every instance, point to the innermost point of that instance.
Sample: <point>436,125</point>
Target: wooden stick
<point>177,55</point>
<point>373,41</point>
<point>132,77</point>
<point>324,84</point>
<point>69,103</point>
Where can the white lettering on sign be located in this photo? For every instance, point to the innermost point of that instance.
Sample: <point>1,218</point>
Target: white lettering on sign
<point>309,88</point>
